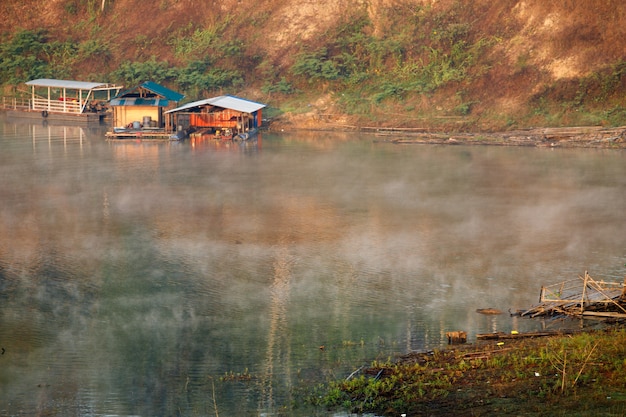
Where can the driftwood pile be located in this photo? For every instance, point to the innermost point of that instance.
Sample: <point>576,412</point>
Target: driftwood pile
<point>581,297</point>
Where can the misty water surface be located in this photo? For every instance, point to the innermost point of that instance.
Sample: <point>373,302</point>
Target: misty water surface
<point>204,278</point>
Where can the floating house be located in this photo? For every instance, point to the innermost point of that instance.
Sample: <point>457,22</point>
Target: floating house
<point>140,111</point>
<point>63,100</point>
<point>225,117</point>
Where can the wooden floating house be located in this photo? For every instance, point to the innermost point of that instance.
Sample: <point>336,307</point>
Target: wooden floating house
<point>223,117</point>
<point>63,100</point>
<point>140,112</point>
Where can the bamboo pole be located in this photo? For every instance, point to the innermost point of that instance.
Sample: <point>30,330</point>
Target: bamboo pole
<point>598,288</point>
<point>582,298</point>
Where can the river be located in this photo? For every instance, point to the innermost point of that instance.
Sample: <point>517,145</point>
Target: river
<point>210,278</point>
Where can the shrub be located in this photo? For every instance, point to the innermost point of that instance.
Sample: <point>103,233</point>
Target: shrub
<point>131,72</point>
<point>315,66</point>
<point>24,57</point>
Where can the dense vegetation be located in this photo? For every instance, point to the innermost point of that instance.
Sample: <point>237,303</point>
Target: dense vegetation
<point>32,54</point>
<point>409,63</point>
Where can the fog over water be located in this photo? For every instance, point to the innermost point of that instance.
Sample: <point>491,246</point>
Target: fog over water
<point>176,278</point>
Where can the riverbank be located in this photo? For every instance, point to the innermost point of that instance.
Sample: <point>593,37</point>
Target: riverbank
<point>575,375</point>
<point>548,137</point>
<point>569,137</point>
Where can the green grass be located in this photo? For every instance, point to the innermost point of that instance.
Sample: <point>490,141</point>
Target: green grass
<point>583,374</point>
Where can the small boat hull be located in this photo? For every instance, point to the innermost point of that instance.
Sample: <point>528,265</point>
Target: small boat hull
<point>45,116</point>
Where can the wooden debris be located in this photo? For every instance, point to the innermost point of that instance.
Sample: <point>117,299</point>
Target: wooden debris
<point>486,354</point>
<point>606,314</point>
<point>492,311</point>
<point>580,297</point>
<point>503,336</point>
<point>570,137</point>
<point>456,338</point>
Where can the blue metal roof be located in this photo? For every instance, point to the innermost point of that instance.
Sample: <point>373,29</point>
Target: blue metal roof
<point>138,101</point>
<point>156,89</point>
<point>225,102</point>
<point>163,91</point>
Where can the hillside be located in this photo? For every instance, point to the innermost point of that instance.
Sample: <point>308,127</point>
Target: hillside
<point>448,64</point>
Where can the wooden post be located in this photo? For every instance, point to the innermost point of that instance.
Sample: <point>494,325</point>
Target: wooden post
<point>582,299</point>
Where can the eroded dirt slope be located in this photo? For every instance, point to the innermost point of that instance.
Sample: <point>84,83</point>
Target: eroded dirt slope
<point>539,43</point>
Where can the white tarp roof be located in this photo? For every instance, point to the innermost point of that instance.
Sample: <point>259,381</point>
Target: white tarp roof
<point>225,102</point>
<point>76,85</point>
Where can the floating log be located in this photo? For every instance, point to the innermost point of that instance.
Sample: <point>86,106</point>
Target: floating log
<point>607,314</point>
<point>492,311</point>
<point>502,335</point>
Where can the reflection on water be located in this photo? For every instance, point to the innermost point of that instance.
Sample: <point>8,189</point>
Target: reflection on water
<point>210,278</point>
<point>209,143</point>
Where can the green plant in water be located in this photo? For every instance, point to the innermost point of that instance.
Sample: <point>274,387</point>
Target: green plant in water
<point>238,376</point>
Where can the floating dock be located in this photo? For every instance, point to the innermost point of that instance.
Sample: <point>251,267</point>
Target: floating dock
<point>141,133</point>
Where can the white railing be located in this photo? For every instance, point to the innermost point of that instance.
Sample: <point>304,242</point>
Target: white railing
<point>41,104</point>
<point>56,105</point>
